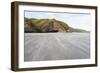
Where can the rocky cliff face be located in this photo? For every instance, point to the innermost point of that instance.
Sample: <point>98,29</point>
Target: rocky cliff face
<point>47,25</point>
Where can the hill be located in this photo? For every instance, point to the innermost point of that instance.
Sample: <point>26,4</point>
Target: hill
<point>47,25</point>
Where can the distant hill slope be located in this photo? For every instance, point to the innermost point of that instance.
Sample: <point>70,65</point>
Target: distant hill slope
<point>47,25</point>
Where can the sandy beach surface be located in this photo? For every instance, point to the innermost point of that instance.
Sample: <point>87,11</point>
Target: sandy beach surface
<point>56,46</point>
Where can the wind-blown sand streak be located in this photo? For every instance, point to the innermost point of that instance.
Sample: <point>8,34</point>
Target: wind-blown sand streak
<point>56,46</point>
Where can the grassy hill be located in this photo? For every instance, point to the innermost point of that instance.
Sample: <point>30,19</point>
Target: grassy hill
<point>47,25</point>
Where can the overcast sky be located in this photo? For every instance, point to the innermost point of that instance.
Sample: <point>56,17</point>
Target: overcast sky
<point>76,20</point>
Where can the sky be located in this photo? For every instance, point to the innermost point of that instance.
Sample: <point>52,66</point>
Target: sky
<point>75,20</point>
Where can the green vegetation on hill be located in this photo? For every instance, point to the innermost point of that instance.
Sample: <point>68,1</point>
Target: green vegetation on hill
<point>47,25</point>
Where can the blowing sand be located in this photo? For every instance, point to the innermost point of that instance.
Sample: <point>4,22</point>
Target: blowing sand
<point>56,46</point>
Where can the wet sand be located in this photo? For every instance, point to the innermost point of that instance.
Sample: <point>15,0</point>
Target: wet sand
<point>56,46</point>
